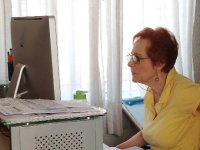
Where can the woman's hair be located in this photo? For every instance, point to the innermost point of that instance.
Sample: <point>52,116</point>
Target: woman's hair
<point>163,47</point>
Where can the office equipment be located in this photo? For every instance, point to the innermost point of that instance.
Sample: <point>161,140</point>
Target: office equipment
<point>34,44</point>
<point>16,78</point>
<point>58,131</point>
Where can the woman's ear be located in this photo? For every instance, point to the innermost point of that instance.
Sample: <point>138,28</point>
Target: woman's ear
<point>159,66</point>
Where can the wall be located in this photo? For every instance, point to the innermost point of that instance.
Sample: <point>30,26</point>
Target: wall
<point>196,43</point>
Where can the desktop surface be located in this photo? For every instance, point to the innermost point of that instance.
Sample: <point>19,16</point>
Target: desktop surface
<point>135,113</point>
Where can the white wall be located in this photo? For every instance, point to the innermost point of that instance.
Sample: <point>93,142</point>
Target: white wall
<point>196,43</point>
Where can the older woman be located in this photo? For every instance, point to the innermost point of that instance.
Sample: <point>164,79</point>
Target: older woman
<point>172,101</point>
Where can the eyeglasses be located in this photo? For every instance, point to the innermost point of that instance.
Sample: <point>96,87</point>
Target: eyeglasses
<point>136,59</point>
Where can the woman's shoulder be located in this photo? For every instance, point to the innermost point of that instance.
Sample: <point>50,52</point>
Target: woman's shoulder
<point>184,83</point>
<point>184,88</point>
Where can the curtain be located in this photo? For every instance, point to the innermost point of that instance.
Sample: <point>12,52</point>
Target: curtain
<point>90,51</point>
<point>5,45</point>
<point>186,10</point>
<point>175,15</point>
<point>113,26</point>
<point>33,7</point>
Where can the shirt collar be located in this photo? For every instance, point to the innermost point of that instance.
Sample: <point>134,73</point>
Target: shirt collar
<point>164,98</point>
<point>168,84</point>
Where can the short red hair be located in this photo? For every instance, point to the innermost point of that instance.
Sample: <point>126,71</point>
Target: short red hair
<point>163,48</point>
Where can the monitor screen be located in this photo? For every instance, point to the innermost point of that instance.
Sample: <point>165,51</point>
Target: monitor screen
<point>34,44</point>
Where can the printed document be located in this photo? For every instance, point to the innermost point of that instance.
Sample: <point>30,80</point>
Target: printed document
<point>10,106</point>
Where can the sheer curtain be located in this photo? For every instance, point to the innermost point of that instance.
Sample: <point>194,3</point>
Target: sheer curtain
<point>113,48</point>
<point>90,50</point>
<point>5,45</point>
<point>175,15</point>
<point>33,7</point>
<point>73,45</point>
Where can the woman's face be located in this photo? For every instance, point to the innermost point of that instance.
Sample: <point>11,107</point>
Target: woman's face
<point>143,72</point>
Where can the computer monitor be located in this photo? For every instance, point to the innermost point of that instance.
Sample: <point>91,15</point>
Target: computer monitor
<point>35,57</point>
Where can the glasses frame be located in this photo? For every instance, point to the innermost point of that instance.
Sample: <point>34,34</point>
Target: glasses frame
<point>136,59</point>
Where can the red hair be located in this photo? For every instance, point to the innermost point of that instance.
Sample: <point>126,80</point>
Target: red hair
<point>163,48</point>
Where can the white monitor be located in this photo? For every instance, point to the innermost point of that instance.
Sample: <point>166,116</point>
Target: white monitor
<point>34,44</point>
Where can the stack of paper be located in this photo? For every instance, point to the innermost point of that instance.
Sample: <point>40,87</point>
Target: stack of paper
<point>27,110</point>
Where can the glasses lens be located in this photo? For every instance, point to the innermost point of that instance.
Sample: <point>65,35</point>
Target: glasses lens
<point>135,58</point>
<point>129,57</point>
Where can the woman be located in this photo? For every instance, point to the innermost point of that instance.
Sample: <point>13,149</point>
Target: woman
<point>172,101</point>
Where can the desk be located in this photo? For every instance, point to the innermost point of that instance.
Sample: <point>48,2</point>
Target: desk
<point>81,132</point>
<point>135,113</point>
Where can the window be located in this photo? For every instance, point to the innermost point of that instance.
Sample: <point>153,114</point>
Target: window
<point>73,35</point>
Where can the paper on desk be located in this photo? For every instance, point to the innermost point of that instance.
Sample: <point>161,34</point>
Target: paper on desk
<point>53,104</point>
<point>105,147</point>
<point>114,148</point>
<point>9,106</point>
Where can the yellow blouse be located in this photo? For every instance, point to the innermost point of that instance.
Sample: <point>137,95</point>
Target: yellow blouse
<point>173,123</point>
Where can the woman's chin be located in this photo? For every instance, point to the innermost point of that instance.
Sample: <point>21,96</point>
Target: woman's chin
<point>135,79</point>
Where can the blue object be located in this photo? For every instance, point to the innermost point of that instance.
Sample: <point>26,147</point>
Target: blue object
<point>133,101</point>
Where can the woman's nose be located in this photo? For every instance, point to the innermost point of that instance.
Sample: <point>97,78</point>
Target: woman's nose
<point>130,63</point>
